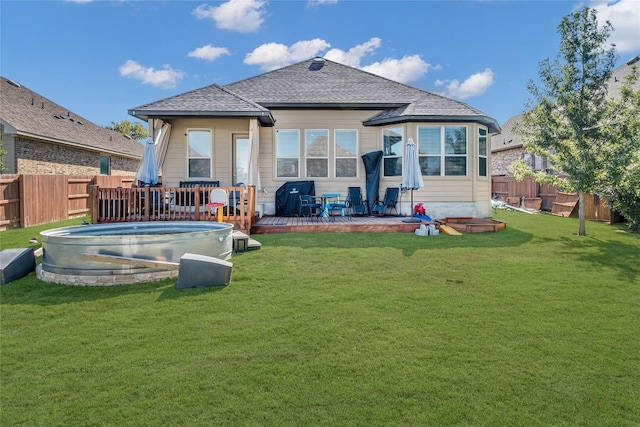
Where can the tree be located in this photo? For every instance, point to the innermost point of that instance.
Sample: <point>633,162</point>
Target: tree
<point>619,181</point>
<point>2,154</point>
<point>134,130</point>
<point>567,123</point>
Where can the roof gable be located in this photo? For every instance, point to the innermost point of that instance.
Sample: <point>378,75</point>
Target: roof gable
<point>319,83</point>
<point>34,115</point>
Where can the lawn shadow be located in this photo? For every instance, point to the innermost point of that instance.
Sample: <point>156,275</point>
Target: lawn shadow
<point>614,254</point>
<point>407,242</point>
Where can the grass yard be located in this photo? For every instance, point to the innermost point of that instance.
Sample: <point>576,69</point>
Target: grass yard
<point>530,326</point>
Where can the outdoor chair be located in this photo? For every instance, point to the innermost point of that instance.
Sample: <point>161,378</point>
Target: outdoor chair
<point>340,207</point>
<point>355,204</point>
<point>218,202</point>
<point>310,205</point>
<point>389,203</point>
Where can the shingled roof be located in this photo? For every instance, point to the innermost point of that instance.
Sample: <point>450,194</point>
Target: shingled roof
<point>33,115</point>
<point>318,83</point>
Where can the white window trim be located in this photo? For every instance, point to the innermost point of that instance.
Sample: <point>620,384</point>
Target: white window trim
<point>399,156</point>
<point>335,151</point>
<point>306,154</point>
<point>211,162</point>
<point>275,152</point>
<point>442,154</point>
<point>487,142</point>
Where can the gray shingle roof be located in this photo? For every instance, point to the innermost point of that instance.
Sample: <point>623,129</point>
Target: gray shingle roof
<point>211,100</point>
<point>34,115</point>
<point>320,83</point>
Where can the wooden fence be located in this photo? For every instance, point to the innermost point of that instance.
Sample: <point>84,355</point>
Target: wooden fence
<point>504,187</point>
<point>27,200</point>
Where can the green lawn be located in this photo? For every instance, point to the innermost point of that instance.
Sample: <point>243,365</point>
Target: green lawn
<point>530,326</point>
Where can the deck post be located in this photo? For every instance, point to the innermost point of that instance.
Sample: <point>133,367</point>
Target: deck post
<point>93,204</point>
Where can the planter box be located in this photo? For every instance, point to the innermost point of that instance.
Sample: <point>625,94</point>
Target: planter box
<point>473,225</point>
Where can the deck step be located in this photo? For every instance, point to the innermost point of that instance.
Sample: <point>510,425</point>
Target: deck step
<point>242,242</point>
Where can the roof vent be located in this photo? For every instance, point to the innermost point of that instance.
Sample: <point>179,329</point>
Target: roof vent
<point>316,64</point>
<point>12,83</point>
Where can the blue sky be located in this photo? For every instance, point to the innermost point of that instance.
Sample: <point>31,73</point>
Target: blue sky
<point>100,58</point>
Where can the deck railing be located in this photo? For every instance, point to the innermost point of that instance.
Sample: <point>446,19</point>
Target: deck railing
<point>171,204</point>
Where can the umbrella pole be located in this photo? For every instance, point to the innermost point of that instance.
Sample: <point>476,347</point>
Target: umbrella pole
<point>412,219</point>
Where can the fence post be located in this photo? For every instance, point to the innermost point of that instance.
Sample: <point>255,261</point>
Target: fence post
<point>147,203</point>
<point>94,204</point>
<point>196,202</point>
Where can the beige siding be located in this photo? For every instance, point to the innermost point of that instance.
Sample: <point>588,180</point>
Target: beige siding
<point>469,190</point>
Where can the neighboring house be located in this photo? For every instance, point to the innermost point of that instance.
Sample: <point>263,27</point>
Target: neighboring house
<point>506,147</point>
<point>41,137</point>
<point>313,121</point>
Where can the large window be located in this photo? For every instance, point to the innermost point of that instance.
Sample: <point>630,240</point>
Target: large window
<point>287,153</point>
<point>482,152</point>
<point>199,153</point>
<point>346,152</point>
<point>317,153</point>
<point>392,143</point>
<point>443,150</point>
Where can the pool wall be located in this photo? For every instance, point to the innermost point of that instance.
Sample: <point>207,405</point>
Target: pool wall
<point>64,248</point>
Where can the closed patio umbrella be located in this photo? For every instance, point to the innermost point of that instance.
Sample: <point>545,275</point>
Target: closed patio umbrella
<point>148,171</point>
<point>411,174</point>
<point>372,162</point>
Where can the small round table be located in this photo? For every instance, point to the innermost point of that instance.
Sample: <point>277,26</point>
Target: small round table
<point>217,206</point>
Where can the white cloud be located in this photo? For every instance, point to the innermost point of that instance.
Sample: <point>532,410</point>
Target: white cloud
<point>165,78</point>
<point>244,16</point>
<point>475,85</point>
<point>312,3</point>
<point>407,69</point>
<point>208,52</point>
<point>353,56</point>
<point>270,56</point>
<point>624,16</point>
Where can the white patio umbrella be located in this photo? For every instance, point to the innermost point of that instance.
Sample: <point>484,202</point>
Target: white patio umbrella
<point>411,173</point>
<point>148,171</point>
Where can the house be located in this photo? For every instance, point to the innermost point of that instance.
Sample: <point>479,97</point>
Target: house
<point>42,137</point>
<point>314,120</point>
<point>506,146</point>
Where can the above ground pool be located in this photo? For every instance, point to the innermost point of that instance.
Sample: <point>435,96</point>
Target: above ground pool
<point>64,248</point>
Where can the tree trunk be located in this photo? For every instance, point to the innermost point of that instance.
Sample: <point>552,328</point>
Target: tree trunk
<point>581,214</point>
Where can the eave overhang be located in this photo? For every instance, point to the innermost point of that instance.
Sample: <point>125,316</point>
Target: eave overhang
<point>491,123</point>
<point>264,117</point>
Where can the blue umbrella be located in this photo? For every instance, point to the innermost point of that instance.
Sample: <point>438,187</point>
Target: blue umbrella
<point>411,173</point>
<point>148,172</point>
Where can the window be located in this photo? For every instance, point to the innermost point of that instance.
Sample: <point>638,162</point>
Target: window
<point>482,152</point>
<point>346,152</point>
<point>287,153</point>
<point>442,150</point>
<point>240,159</point>
<point>199,153</point>
<point>317,153</point>
<point>392,143</point>
<point>105,165</point>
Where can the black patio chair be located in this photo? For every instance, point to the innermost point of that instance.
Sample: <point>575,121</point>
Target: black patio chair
<point>389,203</point>
<point>355,204</point>
<point>309,204</point>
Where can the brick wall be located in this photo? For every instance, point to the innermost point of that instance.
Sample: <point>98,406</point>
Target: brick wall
<point>502,159</point>
<point>35,158</point>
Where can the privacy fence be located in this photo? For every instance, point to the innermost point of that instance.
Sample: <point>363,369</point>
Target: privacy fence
<point>27,200</point>
<point>548,198</point>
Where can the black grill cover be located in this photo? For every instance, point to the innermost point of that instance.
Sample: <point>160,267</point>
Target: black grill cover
<point>287,200</point>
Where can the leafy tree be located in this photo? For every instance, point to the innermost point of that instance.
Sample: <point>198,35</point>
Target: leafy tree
<point>619,180</point>
<point>567,123</point>
<point>2,153</point>
<point>134,130</point>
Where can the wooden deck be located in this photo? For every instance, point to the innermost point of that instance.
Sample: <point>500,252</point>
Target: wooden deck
<point>335,224</point>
